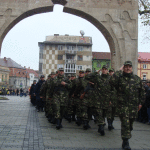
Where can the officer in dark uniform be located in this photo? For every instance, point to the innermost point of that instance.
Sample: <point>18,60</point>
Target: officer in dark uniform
<point>39,100</point>
<point>32,93</point>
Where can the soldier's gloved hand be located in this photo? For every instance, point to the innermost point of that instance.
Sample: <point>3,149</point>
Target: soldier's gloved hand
<point>140,106</point>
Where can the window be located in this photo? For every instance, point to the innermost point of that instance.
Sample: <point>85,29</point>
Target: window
<point>2,78</point>
<point>70,68</point>
<point>79,67</point>
<point>80,48</point>
<point>60,66</point>
<point>60,57</point>
<point>144,76</point>
<point>40,67</point>
<point>70,47</point>
<point>69,56</point>
<point>60,47</point>
<point>80,57</point>
<point>99,65</point>
<point>144,66</point>
<point>41,55</point>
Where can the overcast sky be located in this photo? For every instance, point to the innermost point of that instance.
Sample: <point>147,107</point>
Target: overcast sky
<point>21,42</point>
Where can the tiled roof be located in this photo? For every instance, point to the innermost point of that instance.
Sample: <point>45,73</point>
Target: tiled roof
<point>8,62</point>
<point>32,71</point>
<point>18,72</point>
<point>101,55</point>
<point>143,56</point>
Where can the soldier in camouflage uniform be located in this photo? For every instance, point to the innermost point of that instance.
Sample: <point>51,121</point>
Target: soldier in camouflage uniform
<point>71,108</point>
<point>103,103</point>
<point>131,97</point>
<point>49,95</point>
<point>82,89</point>
<point>60,97</point>
<point>112,107</point>
<point>43,93</point>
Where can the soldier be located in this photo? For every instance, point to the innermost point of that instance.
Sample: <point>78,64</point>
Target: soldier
<point>49,100</point>
<point>112,107</point>
<point>37,93</point>
<point>71,106</point>
<point>60,96</point>
<point>104,89</point>
<point>43,90</point>
<point>80,86</point>
<point>131,97</point>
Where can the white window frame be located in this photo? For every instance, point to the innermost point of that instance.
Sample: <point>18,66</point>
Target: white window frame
<point>144,66</point>
<point>79,67</point>
<point>80,48</point>
<point>144,78</point>
<point>60,47</point>
<point>60,66</point>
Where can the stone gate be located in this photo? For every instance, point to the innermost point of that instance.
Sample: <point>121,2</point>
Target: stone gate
<point>117,20</point>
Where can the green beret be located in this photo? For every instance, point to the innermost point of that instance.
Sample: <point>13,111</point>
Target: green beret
<point>104,66</point>
<point>128,63</point>
<point>49,75</point>
<point>52,73</point>
<point>73,75</point>
<point>69,75</point>
<point>81,71</point>
<point>88,70</point>
<point>111,70</point>
<point>61,69</point>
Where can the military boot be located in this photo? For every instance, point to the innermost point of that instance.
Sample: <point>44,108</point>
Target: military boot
<point>49,118</point>
<point>109,124</point>
<point>61,123</point>
<point>101,130</point>
<point>73,118</point>
<point>57,123</point>
<point>69,118</point>
<point>125,144</point>
<point>79,121</point>
<point>85,126</point>
<point>112,127</point>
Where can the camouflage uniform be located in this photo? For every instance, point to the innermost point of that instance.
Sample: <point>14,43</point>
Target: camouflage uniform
<point>130,94</point>
<point>81,104</point>
<point>104,89</point>
<point>60,97</point>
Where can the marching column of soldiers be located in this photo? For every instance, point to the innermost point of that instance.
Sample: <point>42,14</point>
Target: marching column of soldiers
<point>92,95</point>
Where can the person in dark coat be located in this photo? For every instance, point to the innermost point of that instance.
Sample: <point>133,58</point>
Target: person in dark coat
<point>17,92</point>
<point>32,93</point>
<point>147,102</point>
<point>39,102</point>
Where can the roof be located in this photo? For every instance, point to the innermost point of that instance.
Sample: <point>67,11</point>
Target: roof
<point>101,55</point>
<point>8,62</point>
<point>32,71</point>
<point>18,72</point>
<point>143,56</point>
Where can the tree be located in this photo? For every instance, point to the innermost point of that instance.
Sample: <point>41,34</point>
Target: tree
<point>144,11</point>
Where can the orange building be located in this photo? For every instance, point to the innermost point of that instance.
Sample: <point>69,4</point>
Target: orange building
<point>144,65</point>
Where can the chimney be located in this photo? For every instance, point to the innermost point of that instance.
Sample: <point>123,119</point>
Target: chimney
<point>5,59</point>
<point>56,34</point>
<point>24,66</point>
<point>28,67</point>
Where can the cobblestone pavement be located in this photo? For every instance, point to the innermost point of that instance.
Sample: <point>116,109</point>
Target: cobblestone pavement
<point>22,128</point>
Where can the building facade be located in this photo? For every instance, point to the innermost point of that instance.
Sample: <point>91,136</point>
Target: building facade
<point>4,77</point>
<point>18,76</point>
<point>144,65</point>
<point>72,53</point>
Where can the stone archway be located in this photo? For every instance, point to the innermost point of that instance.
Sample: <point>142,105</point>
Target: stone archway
<point>116,19</point>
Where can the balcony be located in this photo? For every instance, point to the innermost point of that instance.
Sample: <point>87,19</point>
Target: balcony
<point>72,52</point>
<point>70,61</point>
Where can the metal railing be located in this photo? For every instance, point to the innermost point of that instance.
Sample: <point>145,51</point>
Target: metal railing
<point>70,61</point>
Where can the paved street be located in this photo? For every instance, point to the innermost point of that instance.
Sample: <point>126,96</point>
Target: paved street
<point>22,128</point>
